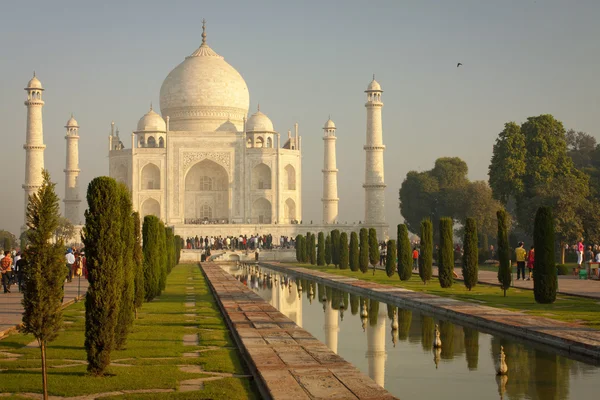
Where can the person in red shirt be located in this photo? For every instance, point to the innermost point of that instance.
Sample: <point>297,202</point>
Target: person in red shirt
<point>415,255</point>
<point>6,270</point>
<point>530,261</point>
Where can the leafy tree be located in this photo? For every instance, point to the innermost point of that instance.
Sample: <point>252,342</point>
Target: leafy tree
<point>470,261</point>
<point>363,254</point>
<point>477,202</point>
<point>405,261</point>
<point>344,256</point>
<point>103,247</point>
<point>419,197</point>
<point>7,244</point>
<point>373,247</point>
<point>446,256</point>
<point>9,240</point>
<point>65,230</point>
<point>508,163</point>
<point>127,282</point>
<point>328,250</point>
<point>138,263</point>
<point>504,270</point>
<point>544,273</point>
<point>335,247</point>
<point>580,147</point>
<point>321,249</point>
<point>44,272</point>
<point>354,260</point>
<point>426,256</point>
<point>390,258</point>
<point>152,259</point>
<point>298,248</point>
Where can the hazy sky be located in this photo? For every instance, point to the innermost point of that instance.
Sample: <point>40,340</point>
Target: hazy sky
<point>106,60</point>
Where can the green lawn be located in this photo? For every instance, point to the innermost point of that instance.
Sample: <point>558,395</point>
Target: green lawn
<point>153,356</point>
<point>566,308</point>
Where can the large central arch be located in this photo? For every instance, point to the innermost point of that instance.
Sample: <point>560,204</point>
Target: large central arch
<point>206,193</point>
<point>261,211</point>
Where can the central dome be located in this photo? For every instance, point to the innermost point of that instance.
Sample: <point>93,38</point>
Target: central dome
<point>204,92</point>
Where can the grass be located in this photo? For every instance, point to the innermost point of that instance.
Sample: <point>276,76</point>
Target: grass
<point>151,358</point>
<point>566,308</point>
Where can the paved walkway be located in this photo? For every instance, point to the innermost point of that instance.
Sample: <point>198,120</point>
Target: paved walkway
<point>288,362</point>
<point>571,338</point>
<point>11,309</point>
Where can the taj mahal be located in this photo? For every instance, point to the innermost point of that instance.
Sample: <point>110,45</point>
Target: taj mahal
<point>206,166</point>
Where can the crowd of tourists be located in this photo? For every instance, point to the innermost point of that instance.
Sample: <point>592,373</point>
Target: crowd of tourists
<point>241,242</point>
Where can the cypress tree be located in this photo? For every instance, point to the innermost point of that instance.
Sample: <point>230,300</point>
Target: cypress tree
<point>102,240</point>
<point>470,261</point>
<point>302,249</point>
<point>446,256</point>
<point>151,239</point>
<point>504,270</point>
<point>544,273</point>
<point>178,247</point>
<point>354,263</point>
<point>170,241</point>
<point>335,247</point>
<point>44,271</point>
<point>321,250</point>
<point>426,256</point>
<point>138,263</point>
<point>373,247</point>
<point>313,249</point>
<point>344,256</point>
<point>298,247</point>
<point>363,253</point>
<point>405,260</point>
<point>127,306</point>
<point>163,257</point>
<point>328,249</point>
<point>390,258</point>
<point>308,247</point>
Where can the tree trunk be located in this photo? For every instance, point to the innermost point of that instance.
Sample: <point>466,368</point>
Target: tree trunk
<point>504,292</point>
<point>44,377</point>
<point>562,252</point>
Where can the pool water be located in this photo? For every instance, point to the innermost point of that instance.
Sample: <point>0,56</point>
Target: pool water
<point>394,346</point>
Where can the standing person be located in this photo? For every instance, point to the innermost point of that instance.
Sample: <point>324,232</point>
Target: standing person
<point>580,249</point>
<point>589,259</point>
<point>520,254</point>
<point>70,260</point>
<point>415,257</point>
<point>530,262</point>
<point>6,270</point>
<point>382,255</point>
<point>20,270</point>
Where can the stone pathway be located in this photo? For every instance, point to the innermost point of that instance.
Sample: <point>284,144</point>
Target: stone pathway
<point>288,362</point>
<point>11,310</point>
<point>571,338</point>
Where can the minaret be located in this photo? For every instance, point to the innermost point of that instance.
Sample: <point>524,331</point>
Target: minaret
<point>376,348</point>
<point>34,145</point>
<point>71,199</point>
<point>374,184</point>
<point>330,194</point>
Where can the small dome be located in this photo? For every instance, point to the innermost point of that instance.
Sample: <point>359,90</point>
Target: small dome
<point>151,122</point>
<point>259,122</point>
<point>329,124</point>
<point>72,123</point>
<point>34,83</point>
<point>374,86</point>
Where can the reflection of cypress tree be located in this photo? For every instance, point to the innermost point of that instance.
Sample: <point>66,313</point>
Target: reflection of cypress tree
<point>459,340</point>
<point>414,333</point>
<point>354,304</point>
<point>345,300</point>
<point>336,298</point>
<point>390,310</point>
<point>320,291</point>
<point>427,328</point>
<point>447,336</point>
<point>373,312</point>
<point>551,376</point>
<point>404,321</point>
<point>329,294</point>
<point>471,347</point>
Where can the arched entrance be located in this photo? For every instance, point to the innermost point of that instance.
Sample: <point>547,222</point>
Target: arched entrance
<point>150,207</point>
<point>289,211</point>
<point>261,211</point>
<point>150,177</point>
<point>206,193</point>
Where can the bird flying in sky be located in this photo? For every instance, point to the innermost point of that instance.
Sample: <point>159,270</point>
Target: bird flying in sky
<point>458,65</point>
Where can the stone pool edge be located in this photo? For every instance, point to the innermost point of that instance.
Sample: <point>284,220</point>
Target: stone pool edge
<point>267,347</point>
<point>556,334</point>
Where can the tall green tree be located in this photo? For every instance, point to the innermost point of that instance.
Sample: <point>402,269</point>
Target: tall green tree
<point>405,262</point>
<point>103,247</point>
<point>163,257</point>
<point>505,269</point>
<point>44,272</point>
<point>363,254</point>
<point>335,247</point>
<point>446,254</point>
<point>544,273</point>
<point>321,249</point>
<point>470,261</point>
<point>127,279</point>
<point>390,258</point>
<point>328,249</point>
<point>313,249</point>
<point>178,247</point>
<point>298,248</point>
<point>354,259</point>
<point>138,263</point>
<point>373,247</point>
<point>508,164</point>
<point>344,254</point>
<point>307,242</point>
<point>152,259</point>
<point>426,255</point>
<point>170,242</point>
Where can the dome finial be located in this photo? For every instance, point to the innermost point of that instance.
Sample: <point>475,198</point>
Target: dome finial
<point>258,107</point>
<point>34,73</point>
<point>151,109</point>
<point>203,31</point>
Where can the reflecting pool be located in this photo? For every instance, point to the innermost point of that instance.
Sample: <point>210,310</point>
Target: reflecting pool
<point>394,346</point>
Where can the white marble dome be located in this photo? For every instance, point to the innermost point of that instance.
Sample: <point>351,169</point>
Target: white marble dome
<point>72,123</point>
<point>374,86</point>
<point>151,122</point>
<point>203,92</point>
<point>329,124</point>
<point>259,122</point>
<point>34,83</point>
